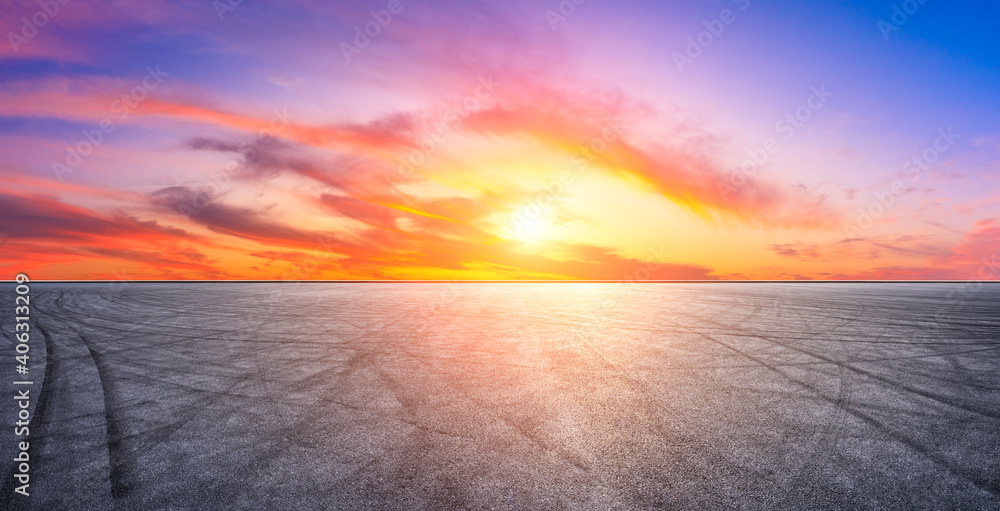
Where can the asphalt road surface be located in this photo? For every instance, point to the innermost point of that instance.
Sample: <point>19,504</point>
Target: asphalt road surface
<point>507,396</point>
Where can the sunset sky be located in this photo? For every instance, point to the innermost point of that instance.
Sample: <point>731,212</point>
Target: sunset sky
<point>428,139</point>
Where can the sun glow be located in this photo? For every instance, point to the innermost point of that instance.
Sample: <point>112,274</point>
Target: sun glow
<point>531,225</point>
<point>532,230</point>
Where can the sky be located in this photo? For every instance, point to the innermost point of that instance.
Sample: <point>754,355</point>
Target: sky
<point>553,139</point>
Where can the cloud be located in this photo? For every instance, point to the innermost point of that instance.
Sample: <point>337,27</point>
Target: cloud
<point>687,176</point>
<point>432,245</point>
<point>975,257</point>
<point>560,120</point>
<point>797,250</point>
<point>331,155</point>
<point>42,231</point>
<point>41,217</point>
<point>858,249</point>
<point>228,220</point>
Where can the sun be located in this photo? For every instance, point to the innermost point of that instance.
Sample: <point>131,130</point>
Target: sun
<point>530,225</point>
<point>532,231</point>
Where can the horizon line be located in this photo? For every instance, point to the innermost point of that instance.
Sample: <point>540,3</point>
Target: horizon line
<point>505,281</point>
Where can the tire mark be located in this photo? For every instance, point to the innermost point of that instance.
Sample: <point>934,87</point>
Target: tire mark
<point>41,417</point>
<point>973,478</point>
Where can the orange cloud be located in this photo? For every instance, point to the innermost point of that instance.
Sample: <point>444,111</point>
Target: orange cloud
<point>42,231</point>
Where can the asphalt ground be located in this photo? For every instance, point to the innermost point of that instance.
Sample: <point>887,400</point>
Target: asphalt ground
<point>507,396</point>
